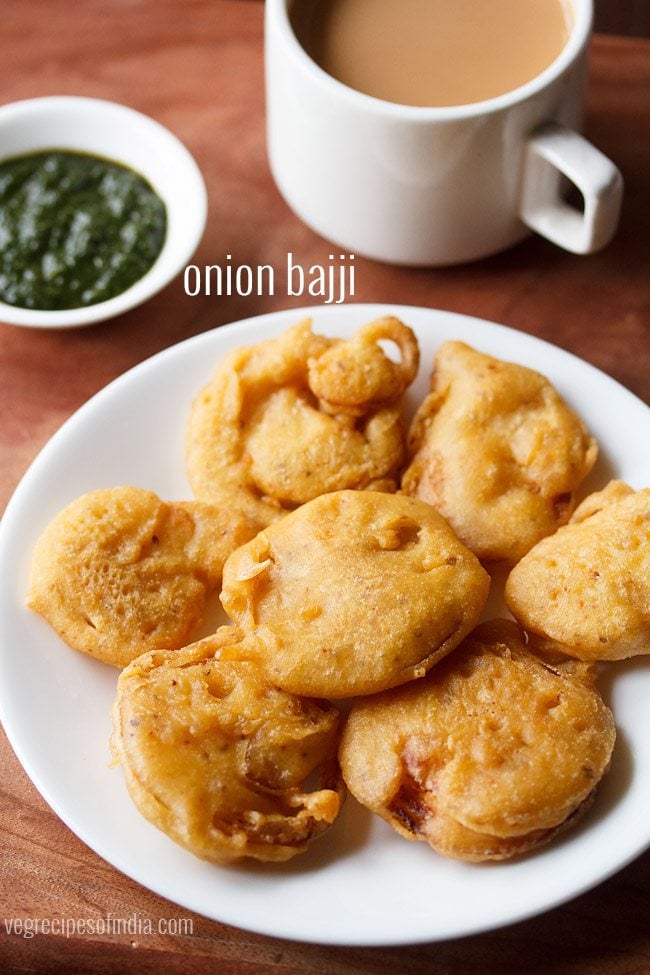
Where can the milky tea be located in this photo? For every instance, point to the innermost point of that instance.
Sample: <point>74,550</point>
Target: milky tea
<point>432,52</point>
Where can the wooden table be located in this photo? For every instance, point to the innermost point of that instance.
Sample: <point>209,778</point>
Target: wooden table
<point>196,65</point>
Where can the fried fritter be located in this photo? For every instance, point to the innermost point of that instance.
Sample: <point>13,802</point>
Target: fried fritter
<point>497,451</point>
<point>300,415</point>
<point>217,758</point>
<point>588,586</point>
<point>119,571</point>
<point>488,756</point>
<point>354,592</point>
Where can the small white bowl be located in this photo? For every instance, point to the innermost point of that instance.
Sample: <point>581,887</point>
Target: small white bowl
<point>125,136</point>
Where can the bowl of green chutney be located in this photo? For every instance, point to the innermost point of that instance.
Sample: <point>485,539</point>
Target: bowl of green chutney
<point>100,208</point>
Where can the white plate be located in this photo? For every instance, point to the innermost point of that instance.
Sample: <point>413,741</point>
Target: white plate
<point>361,883</point>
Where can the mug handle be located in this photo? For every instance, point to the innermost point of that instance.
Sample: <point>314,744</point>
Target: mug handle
<point>551,152</point>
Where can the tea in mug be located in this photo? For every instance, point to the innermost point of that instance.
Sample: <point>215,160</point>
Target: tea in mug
<point>432,52</point>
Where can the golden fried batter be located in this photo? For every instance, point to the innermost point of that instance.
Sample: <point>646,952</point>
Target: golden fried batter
<point>497,451</point>
<point>119,571</point>
<point>588,586</point>
<point>296,416</point>
<point>488,756</point>
<point>217,758</point>
<point>354,592</point>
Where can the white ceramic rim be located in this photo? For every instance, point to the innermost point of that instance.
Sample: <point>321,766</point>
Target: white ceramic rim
<point>277,14</point>
<point>163,269</point>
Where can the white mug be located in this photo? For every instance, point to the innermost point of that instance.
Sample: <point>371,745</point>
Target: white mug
<point>435,186</point>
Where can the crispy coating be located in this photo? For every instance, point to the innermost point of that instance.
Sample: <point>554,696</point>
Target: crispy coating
<point>119,571</point>
<point>354,592</point>
<point>356,376</point>
<point>588,586</point>
<point>299,415</point>
<point>217,758</point>
<point>497,451</point>
<point>488,756</point>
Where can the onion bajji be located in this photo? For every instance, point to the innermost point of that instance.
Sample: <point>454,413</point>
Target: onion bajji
<point>119,571</point>
<point>587,588</point>
<point>297,416</point>
<point>218,759</point>
<point>497,451</point>
<point>354,592</point>
<point>493,753</point>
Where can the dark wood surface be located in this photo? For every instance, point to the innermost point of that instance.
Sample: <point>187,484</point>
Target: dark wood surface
<point>622,17</point>
<point>196,65</point>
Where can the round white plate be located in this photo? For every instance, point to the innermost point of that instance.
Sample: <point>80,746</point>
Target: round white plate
<point>361,883</point>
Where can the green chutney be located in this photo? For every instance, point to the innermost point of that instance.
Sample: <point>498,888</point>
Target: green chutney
<point>75,229</point>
